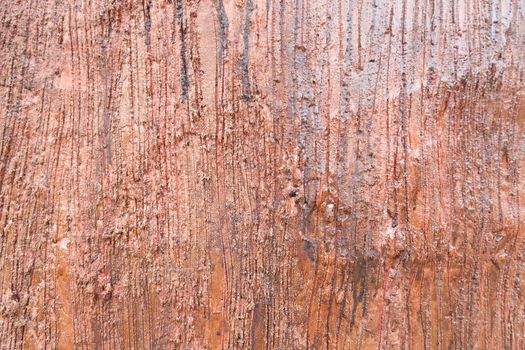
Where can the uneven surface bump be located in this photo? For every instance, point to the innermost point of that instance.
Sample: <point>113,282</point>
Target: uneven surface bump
<point>262,174</point>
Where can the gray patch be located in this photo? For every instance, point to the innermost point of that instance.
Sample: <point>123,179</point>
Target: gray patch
<point>245,54</point>
<point>147,23</point>
<point>223,30</point>
<point>184,64</point>
<point>310,250</point>
<point>347,63</point>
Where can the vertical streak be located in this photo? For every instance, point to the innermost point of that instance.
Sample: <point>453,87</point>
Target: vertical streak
<point>184,63</point>
<point>246,51</point>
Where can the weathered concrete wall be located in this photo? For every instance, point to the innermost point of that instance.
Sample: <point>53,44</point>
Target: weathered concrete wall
<point>265,174</point>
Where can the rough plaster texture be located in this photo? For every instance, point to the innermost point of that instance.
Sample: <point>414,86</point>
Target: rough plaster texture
<point>262,174</point>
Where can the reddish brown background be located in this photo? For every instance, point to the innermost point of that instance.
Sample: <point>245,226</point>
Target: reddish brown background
<point>262,174</point>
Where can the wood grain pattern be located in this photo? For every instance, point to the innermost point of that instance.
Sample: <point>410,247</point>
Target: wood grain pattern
<point>262,174</point>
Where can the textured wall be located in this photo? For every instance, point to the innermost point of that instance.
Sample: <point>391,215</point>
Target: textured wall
<point>262,174</point>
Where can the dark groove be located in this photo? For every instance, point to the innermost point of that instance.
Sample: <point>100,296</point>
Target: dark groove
<point>223,31</point>
<point>147,24</point>
<point>184,64</point>
<point>245,54</point>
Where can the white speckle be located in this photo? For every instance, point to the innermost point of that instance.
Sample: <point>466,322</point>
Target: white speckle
<point>63,244</point>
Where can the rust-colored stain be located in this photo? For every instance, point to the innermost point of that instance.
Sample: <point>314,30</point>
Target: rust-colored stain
<point>262,174</point>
